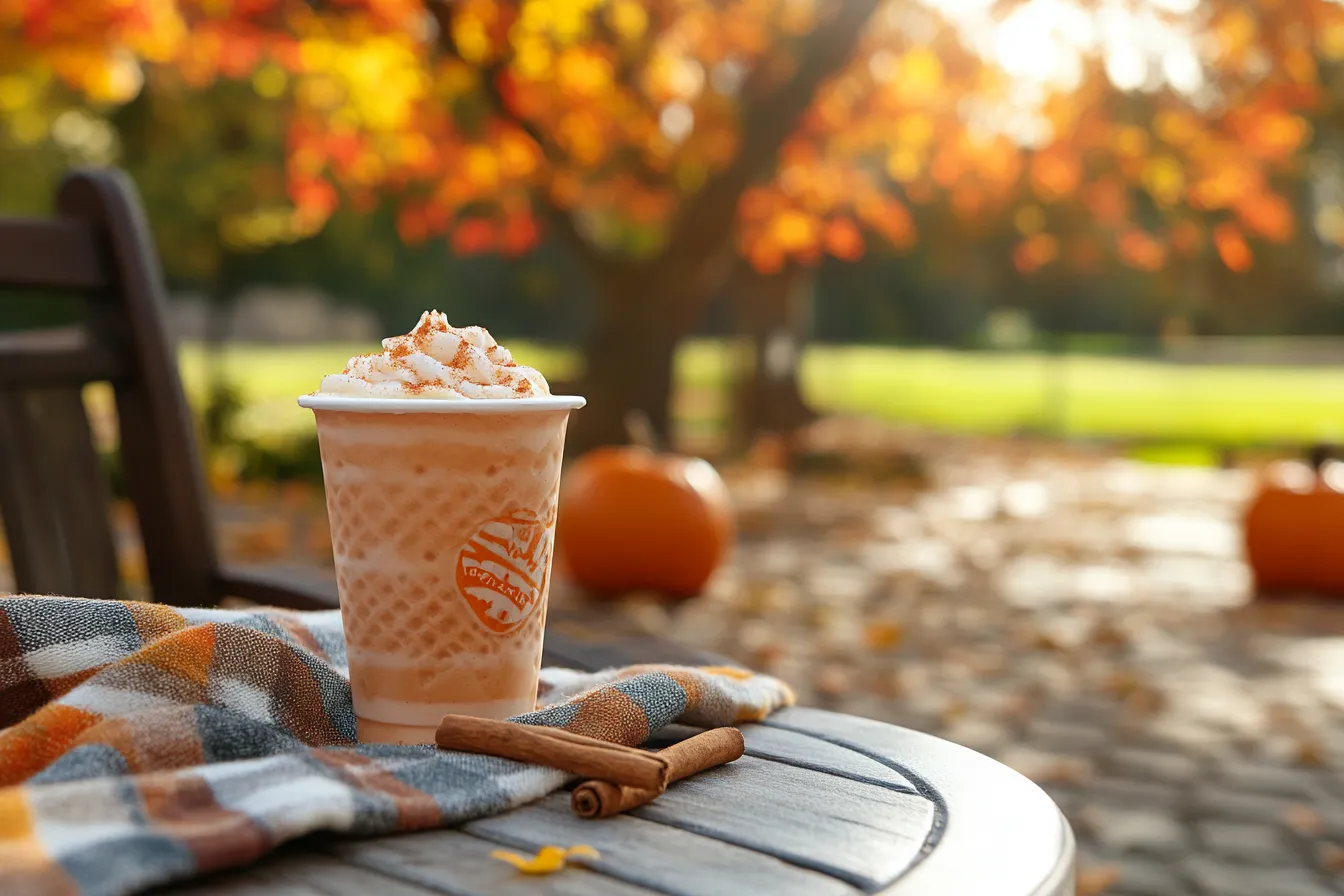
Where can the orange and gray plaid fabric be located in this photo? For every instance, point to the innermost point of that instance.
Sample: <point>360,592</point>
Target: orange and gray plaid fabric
<point>141,744</point>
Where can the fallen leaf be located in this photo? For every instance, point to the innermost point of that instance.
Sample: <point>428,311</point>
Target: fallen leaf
<point>952,711</point>
<point>832,681</point>
<point>1047,768</point>
<point>879,635</point>
<point>297,495</point>
<point>1096,880</point>
<point>1108,634</point>
<point>1123,684</point>
<point>763,598</point>
<point>1138,696</point>
<point>1331,857</point>
<point>261,540</point>
<point>732,672</point>
<point>1304,820</point>
<point>769,452</point>
<point>883,683</point>
<point>1044,640</point>
<point>986,663</point>
<point>1064,771</point>
<point>766,656</point>
<point>548,860</point>
<point>318,541</point>
<point>1309,751</point>
<point>1145,702</point>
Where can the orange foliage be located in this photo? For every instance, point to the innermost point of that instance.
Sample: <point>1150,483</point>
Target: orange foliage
<point>1035,252</point>
<point>1055,174</point>
<point>617,112</point>
<point>1266,214</point>
<point>1108,201</point>
<point>1232,248</point>
<point>843,240</point>
<point>1140,250</point>
<point>1186,237</point>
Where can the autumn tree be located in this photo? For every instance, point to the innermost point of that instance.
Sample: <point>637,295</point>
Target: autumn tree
<point>664,143</point>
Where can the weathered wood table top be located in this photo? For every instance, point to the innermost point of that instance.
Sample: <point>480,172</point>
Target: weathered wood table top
<point>822,803</point>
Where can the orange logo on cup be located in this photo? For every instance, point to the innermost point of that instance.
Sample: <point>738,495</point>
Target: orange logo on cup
<point>501,572</point>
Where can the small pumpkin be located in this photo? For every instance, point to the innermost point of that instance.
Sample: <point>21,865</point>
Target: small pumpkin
<point>632,519</point>
<point>1293,528</point>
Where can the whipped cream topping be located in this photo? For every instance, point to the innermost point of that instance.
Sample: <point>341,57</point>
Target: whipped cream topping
<point>437,360</point>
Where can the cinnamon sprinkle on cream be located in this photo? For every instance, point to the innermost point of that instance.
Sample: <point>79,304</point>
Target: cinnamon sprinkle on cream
<point>437,360</point>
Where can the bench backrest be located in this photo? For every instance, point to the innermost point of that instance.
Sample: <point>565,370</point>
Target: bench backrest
<point>53,488</point>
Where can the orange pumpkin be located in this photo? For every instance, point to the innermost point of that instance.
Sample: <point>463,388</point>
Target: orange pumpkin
<point>634,520</point>
<point>1294,529</point>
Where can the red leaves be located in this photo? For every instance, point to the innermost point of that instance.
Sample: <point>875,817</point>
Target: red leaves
<point>843,240</point>
<point>473,236</point>
<point>1268,215</point>
<point>1140,250</point>
<point>512,234</point>
<point>1232,248</point>
<point>315,198</point>
<point>412,226</point>
<point>519,234</point>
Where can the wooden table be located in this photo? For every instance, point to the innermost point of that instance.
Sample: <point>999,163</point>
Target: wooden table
<point>822,803</point>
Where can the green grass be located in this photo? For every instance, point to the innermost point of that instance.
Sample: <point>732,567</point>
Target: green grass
<point>963,391</point>
<point>1092,396</point>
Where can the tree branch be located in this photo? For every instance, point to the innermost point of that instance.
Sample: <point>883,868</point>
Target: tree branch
<point>560,220</point>
<point>705,222</point>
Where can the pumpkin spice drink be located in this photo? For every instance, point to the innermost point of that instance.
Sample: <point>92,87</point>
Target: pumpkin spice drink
<point>441,457</point>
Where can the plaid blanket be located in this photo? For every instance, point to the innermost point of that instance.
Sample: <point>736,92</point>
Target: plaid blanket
<point>141,744</point>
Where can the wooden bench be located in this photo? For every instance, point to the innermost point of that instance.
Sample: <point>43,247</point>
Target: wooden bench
<point>822,803</point>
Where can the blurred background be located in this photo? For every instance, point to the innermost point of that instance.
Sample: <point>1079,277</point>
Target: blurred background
<point>994,315</point>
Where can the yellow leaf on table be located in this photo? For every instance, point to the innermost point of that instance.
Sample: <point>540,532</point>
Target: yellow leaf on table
<point>548,860</point>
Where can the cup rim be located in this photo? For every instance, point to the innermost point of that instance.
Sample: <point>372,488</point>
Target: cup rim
<point>360,405</point>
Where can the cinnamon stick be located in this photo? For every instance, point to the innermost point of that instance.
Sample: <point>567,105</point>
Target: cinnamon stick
<point>605,798</point>
<point>587,757</point>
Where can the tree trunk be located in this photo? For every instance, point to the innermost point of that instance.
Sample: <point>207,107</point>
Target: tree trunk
<point>773,314</point>
<point>641,318</point>
<point>628,362</point>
